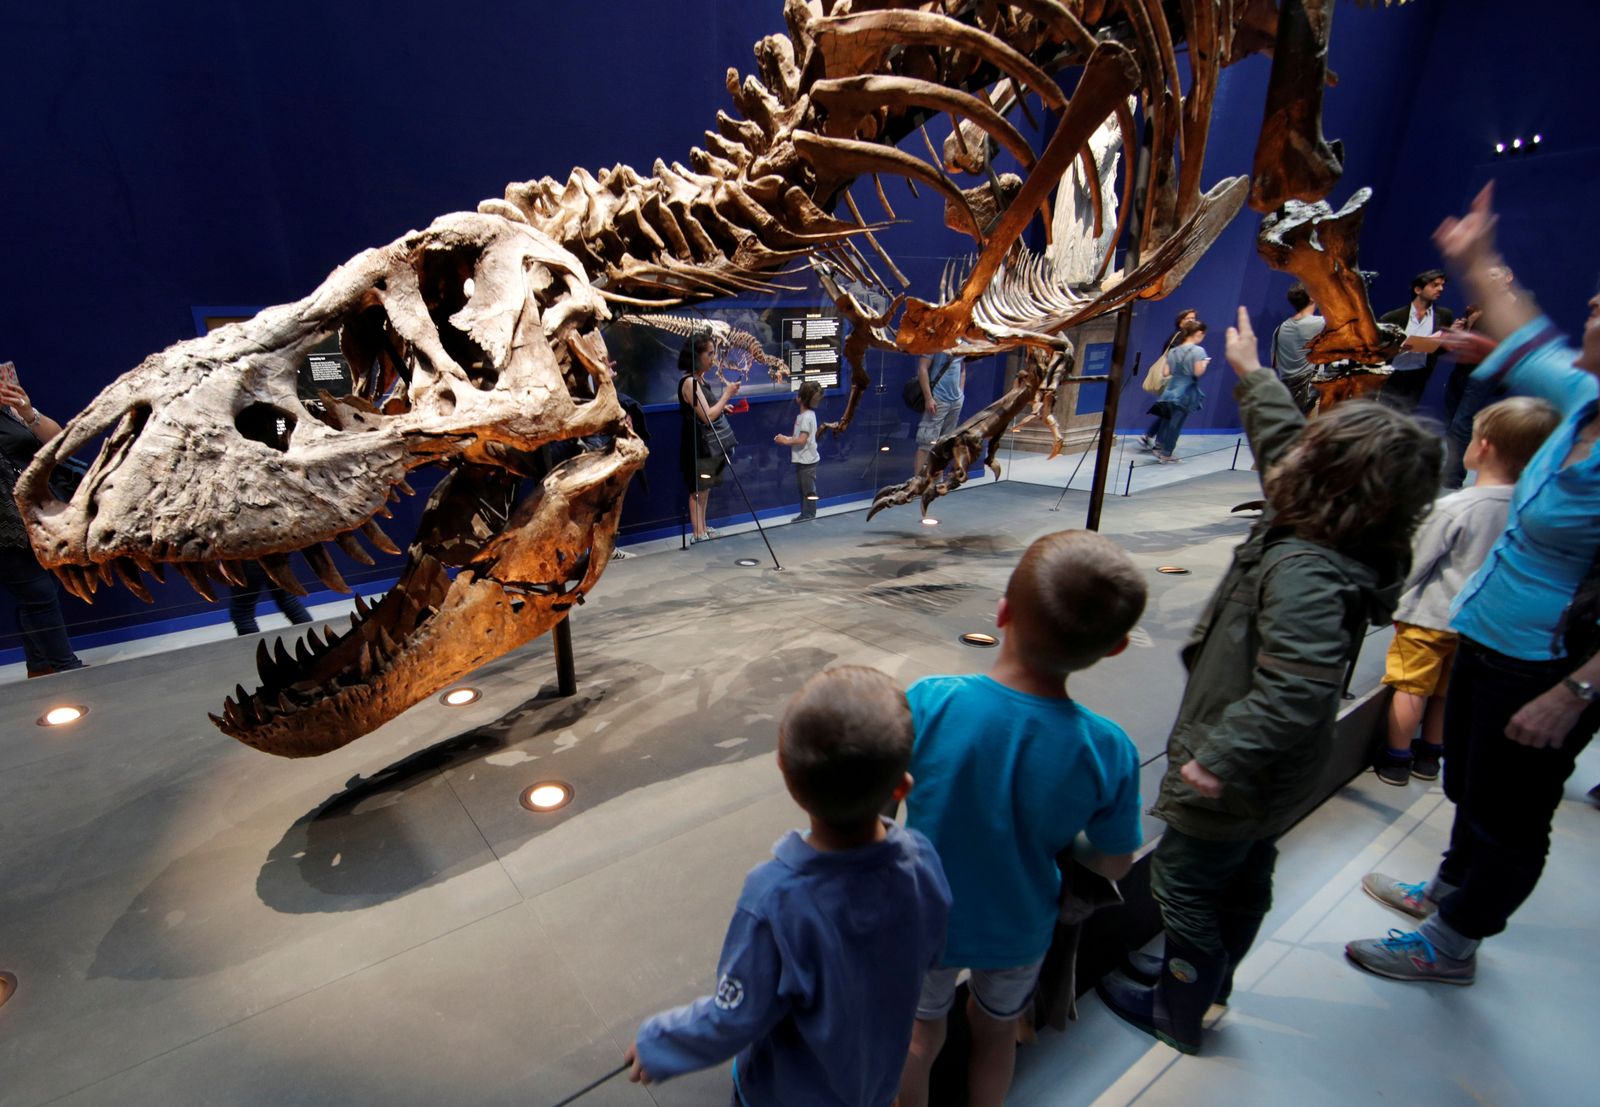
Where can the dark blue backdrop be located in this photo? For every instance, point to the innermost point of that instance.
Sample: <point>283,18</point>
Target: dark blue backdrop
<point>157,157</point>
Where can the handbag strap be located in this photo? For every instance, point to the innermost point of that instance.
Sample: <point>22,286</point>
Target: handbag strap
<point>934,380</point>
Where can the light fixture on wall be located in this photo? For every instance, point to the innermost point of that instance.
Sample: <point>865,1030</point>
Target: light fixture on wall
<point>1518,147</point>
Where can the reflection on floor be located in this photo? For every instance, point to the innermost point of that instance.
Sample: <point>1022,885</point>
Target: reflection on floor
<point>193,922</point>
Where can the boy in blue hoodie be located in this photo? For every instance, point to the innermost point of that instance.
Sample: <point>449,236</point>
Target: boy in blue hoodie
<point>819,976</point>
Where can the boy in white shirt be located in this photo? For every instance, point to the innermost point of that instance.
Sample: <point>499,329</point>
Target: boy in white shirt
<point>803,447</point>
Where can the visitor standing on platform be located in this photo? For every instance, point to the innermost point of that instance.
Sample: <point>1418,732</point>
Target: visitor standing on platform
<point>944,383</point>
<point>1525,698</point>
<point>818,979</point>
<point>23,429</point>
<point>1289,344</point>
<point>706,439</point>
<point>1420,319</point>
<point>1186,364</point>
<point>242,600</point>
<point>1011,771</point>
<point>1452,543</point>
<point>1266,664</point>
<point>802,445</point>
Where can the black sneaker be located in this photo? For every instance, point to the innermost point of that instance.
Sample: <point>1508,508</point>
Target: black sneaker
<point>1425,758</point>
<point>1393,768</point>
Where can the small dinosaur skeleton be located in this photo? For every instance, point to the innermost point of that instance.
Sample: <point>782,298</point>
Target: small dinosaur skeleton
<point>479,339</point>
<point>734,352</point>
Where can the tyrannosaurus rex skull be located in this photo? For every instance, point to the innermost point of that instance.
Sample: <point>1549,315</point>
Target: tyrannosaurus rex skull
<point>474,344</point>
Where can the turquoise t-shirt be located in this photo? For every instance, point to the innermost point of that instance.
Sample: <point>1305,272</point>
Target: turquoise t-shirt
<point>947,389</point>
<point>1004,782</point>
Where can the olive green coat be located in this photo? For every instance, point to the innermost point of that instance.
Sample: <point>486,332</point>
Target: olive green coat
<point>1267,660</point>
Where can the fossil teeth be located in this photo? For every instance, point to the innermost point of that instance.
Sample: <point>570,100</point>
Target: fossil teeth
<point>277,567</point>
<point>323,566</point>
<point>232,572</point>
<point>353,548</point>
<point>303,653</point>
<point>379,539</point>
<point>106,572</point>
<point>280,654</point>
<point>196,577</point>
<point>129,572</point>
<point>264,667</point>
<point>363,608</point>
<point>387,643</point>
<point>384,511</point>
<point>72,579</point>
<point>404,487</point>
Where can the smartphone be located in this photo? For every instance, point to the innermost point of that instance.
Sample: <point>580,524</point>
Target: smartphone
<point>8,373</point>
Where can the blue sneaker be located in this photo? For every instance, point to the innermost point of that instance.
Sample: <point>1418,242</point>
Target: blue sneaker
<point>1407,955</point>
<point>1408,899</point>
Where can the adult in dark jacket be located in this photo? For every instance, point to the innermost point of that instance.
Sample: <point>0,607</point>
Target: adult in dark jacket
<point>1266,667</point>
<point>1420,319</point>
<point>23,429</point>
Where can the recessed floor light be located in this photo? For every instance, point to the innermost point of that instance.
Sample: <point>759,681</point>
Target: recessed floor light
<point>460,697</point>
<point>547,795</point>
<point>747,562</point>
<point>978,638</point>
<point>1171,570</point>
<point>61,716</point>
<point>883,449</point>
<point>927,522</point>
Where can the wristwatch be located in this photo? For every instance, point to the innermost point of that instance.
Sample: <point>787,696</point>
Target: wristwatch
<point>1585,691</point>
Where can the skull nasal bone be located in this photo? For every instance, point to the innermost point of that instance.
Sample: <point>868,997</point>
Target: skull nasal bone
<point>268,425</point>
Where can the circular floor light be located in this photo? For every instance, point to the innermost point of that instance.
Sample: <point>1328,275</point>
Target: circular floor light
<point>8,987</point>
<point>547,795</point>
<point>929,521</point>
<point>61,716</point>
<point>883,449</point>
<point>1171,570</point>
<point>460,697</point>
<point>979,639</point>
<point>747,562</point>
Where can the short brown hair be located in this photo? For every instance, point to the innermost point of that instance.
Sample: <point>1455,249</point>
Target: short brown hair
<point>1516,427</point>
<point>1358,479</point>
<point>1073,597</point>
<point>810,392</point>
<point>845,741</point>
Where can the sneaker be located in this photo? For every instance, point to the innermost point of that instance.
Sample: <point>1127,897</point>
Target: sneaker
<point>620,555</point>
<point>710,534</point>
<point>1425,758</point>
<point>1147,442</point>
<point>1166,459</point>
<point>1408,899</point>
<point>1407,955</point>
<point>1393,768</point>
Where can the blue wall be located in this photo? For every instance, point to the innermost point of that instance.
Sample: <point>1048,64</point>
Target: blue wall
<point>159,157</point>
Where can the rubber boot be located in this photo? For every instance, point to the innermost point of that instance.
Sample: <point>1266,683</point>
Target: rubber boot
<point>1238,935</point>
<point>1173,1008</point>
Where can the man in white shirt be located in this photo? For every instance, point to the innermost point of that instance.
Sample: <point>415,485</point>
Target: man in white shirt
<point>1420,319</point>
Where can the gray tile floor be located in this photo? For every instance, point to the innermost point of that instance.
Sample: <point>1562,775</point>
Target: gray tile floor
<point>194,922</point>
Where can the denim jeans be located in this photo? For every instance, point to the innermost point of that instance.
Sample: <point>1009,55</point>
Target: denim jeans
<point>242,601</point>
<point>805,475</point>
<point>1475,396</point>
<point>1212,892</point>
<point>1505,793</point>
<point>1168,430</point>
<point>45,645</point>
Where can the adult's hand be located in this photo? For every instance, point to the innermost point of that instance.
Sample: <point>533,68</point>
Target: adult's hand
<point>1466,344</point>
<point>636,1069</point>
<point>731,388</point>
<point>1196,775</point>
<point>1545,721</point>
<point>1470,239</point>
<point>13,396</point>
<point>932,408</point>
<point>1240,346</point>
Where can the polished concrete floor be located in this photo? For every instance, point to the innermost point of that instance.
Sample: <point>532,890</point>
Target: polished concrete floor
<point>193,922</point>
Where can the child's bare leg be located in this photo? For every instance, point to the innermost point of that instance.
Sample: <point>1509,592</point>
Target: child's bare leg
<point>1433,721</point>
<point>1405,715</point>
<point>994,1057</point>
<point>927,1039</point>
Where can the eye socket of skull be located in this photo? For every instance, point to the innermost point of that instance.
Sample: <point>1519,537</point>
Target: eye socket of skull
<point>443,279</point>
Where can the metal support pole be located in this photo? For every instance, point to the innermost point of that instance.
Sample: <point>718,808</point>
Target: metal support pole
<point>1234,464</point>
<point>566,669</point>
<point>1108,418</point>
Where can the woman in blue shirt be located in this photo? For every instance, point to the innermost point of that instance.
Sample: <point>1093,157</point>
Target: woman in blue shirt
<point>1523,700</point>
<point>1186,363</point>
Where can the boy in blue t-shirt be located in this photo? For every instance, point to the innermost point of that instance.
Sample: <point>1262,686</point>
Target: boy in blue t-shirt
<point>819,976</point>
<point>1010,771</point>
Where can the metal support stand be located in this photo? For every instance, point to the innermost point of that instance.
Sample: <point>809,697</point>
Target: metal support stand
<point>1108,417</point>
<point>566,668</point>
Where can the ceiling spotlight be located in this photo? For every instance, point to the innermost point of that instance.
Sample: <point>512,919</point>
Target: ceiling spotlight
<point>928,521</point>
<point>978,638</point>
<point>61,716</point>
<point>1538,139</point>
<point>1171,570</point>
<point>460,697</point>
<point>1516,144</point>
<point>883,449</point>
<point>1499,147</point>
<point>547,795</point>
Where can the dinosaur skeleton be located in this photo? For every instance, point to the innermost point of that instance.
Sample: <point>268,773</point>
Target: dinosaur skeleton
<point>486,326</point>
<point>735,352</point>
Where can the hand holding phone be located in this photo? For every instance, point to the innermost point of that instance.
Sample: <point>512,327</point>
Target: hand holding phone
<point>8,374</point>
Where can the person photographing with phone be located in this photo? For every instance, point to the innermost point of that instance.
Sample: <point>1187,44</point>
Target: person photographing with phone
<point>23,429</point>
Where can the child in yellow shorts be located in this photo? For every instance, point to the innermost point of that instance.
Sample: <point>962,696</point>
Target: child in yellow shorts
<point>1449,547</point>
